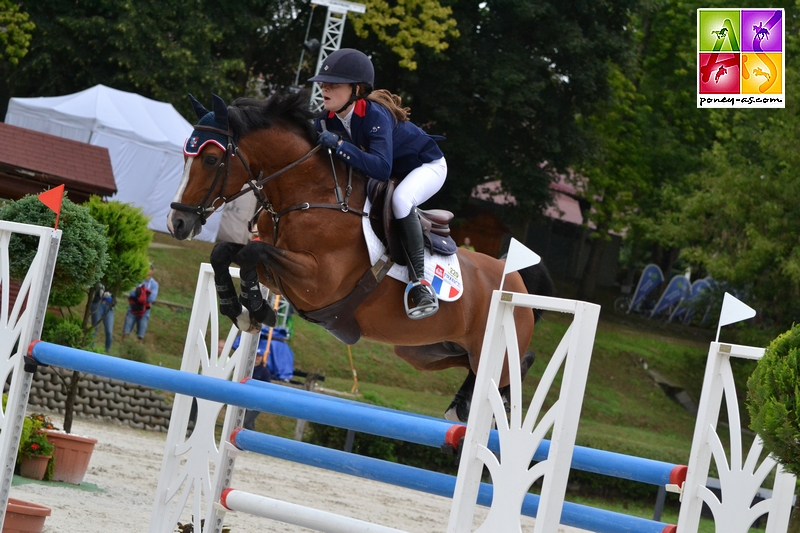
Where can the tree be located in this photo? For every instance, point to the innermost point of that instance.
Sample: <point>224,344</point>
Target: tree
<point>650,120</point>
<point>617,172</point>
<point>738,220</point>
<point>160,50</point>
<point>15,37</point>
<point>772,399</point>
<point>82,255</point>
<point>407,24</point>
<point>507,92</point>
<point>167,49</point>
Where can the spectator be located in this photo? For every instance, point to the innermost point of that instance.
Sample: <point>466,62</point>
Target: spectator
<point>467,244</point>
<point>103,311</point>
<point>139,301</point>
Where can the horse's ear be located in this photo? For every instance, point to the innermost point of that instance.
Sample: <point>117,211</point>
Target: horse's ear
<point>199,110</point>
<point>220,111</point>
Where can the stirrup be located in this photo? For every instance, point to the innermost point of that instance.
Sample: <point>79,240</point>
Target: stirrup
<point>421,311</point>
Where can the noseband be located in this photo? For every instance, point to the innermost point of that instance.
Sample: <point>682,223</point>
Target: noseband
<point>256,186</point>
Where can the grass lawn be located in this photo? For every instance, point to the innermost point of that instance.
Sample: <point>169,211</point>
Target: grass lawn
<point>624,409</point>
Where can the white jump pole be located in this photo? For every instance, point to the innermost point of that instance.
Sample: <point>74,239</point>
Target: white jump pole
<point>298,515</point>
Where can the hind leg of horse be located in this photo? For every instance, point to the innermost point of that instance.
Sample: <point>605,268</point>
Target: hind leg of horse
<point>458,411</point>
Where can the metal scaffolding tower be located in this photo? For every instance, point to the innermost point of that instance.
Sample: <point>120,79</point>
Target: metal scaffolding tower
<point>332,37</point>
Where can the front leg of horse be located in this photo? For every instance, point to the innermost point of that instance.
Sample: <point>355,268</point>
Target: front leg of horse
<point>230,304</point>
<point>251,297</point>
<point>221,258</point>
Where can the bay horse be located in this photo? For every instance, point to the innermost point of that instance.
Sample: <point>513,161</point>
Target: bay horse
<point>311,247</point>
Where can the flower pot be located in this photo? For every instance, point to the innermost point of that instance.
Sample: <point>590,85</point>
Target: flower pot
<point>34,467</point>
<point>72,456</point>
<point>24,517</point>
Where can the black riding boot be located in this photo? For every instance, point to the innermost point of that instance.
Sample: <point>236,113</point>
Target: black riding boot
<point>420,300</point>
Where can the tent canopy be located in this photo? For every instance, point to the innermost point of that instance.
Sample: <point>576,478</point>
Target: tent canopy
<point>144,139</point>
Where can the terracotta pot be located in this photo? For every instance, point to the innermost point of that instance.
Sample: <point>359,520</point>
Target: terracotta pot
<point>24,517</point>
<point>34,467</point>
<point>72,454</point>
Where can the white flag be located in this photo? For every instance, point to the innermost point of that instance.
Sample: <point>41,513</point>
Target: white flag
<point>733,311</point>
<point>519,257</point>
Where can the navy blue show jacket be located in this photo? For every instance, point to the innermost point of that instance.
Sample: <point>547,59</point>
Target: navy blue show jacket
<point>381,146</point>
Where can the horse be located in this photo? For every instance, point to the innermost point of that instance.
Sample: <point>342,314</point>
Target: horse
<point>311,247</point>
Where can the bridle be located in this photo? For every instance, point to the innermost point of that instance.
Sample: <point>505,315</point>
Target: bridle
<point>256,185</point>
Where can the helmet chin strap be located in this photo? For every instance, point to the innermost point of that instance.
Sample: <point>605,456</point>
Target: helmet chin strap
<point>353,98</point>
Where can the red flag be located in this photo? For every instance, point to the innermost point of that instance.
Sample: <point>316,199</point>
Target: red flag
<point>52,199</point>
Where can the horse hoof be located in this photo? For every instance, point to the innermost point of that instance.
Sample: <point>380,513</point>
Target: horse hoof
<point>265,315</point>
<point>246,323</point>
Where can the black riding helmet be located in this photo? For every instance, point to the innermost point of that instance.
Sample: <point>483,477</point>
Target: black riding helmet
<point>347,65</point>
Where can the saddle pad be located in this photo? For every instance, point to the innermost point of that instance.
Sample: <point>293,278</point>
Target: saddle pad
<point>443,272</point>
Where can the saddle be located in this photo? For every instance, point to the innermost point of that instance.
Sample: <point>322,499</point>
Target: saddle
<point>435,223</point>
<point>339,317</point>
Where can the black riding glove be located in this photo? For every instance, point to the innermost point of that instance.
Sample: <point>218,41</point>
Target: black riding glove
<point>328,139</point>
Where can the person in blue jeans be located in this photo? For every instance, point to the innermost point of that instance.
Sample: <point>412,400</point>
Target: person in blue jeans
<point>103,311</point>
<point>139,301</point>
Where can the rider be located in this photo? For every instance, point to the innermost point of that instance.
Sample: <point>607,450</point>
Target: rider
<point>369,130</point>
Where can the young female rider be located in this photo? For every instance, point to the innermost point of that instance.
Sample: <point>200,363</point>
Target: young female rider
<point>370,131</point>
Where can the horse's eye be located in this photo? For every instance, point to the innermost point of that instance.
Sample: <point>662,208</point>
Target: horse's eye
<point>210,160</point>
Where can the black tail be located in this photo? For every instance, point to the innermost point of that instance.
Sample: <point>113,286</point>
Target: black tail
<point>538,281</point>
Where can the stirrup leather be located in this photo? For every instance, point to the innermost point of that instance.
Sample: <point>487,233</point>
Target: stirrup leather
<point>420,311</point>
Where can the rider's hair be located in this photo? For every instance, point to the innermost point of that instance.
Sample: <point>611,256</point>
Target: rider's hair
<point>390,101</point>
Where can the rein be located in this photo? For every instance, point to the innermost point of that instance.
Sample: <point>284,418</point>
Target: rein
<point>256,186</point>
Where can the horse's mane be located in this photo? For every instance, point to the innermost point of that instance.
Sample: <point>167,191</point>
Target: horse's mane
<point>291,108</point>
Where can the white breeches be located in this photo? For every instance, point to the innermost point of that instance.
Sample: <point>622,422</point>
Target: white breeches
<point>420,184</point>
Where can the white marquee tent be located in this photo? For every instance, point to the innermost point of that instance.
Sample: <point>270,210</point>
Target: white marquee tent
<point>144,139</point>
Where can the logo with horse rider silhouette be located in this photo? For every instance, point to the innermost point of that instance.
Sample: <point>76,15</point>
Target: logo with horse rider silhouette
<point>740,58</point>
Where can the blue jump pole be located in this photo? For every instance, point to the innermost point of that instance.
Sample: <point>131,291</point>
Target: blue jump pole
<point>313,407</point>
<point>271,398</point>
<point>573,514</point>
<point>585,459</point>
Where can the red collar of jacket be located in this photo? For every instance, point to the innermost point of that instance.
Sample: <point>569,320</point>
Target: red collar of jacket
<point>360,109</point>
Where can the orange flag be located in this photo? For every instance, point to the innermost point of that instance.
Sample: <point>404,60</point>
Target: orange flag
<point>52,199</point>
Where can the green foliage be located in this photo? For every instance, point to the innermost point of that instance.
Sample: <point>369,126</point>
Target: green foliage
<point>773,390</point>
<point>508,91</point>
<point>128,241</point>
<point>406,24</point>
<point>733,212</point>
<point>33,441</point>
<point>82,257</point>
<point>133,351</point>
<point>64,331</point>
<point>15,39</point>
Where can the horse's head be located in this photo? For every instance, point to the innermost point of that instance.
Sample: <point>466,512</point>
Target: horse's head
<point>206,152</point>
<point>216,169</point>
